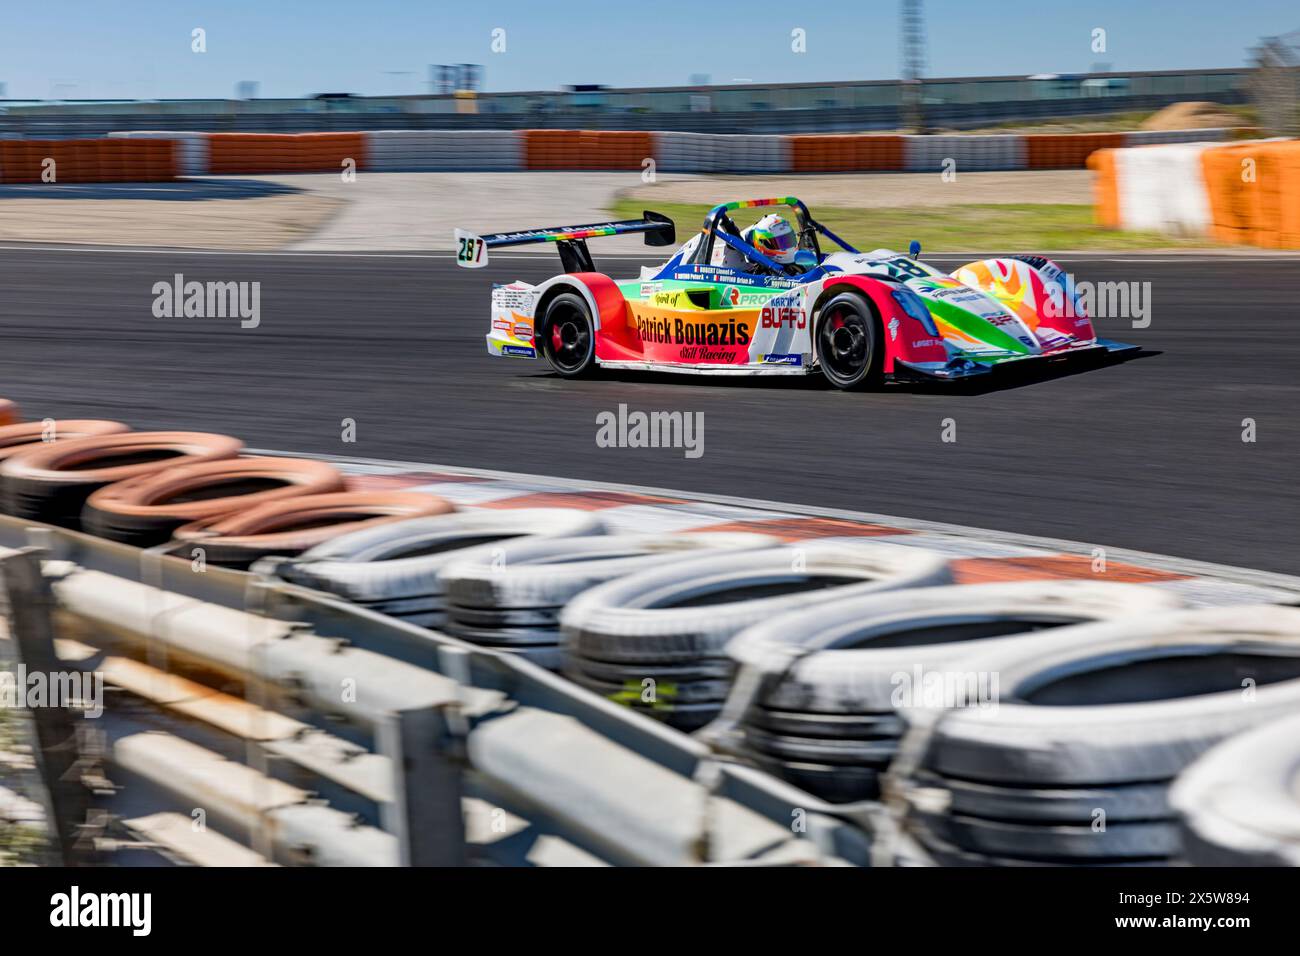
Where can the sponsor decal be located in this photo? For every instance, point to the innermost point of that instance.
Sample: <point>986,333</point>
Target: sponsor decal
<point>731,276</point>
<point>783,317</point>
<point>893,329</point>
<point>925,343</point>
<point>513,299</point>
<point>521,351</point>
<point>781,358</point>
<point>650,288</point>
<point>667,330</point>
<point>737,299</point>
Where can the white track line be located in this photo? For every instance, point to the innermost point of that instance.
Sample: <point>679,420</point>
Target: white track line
<point>1267,579</point>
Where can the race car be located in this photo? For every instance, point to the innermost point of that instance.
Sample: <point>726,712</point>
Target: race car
<point>723,305</point>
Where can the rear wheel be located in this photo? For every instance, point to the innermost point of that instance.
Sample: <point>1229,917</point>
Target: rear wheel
<point>848,344</point>
<point>569,336</point>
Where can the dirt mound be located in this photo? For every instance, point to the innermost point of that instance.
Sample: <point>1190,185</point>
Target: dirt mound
<point>1193,115</point>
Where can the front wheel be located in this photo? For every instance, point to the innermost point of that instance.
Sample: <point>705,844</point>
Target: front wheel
<point>569,336</point>
<point>848,346</point>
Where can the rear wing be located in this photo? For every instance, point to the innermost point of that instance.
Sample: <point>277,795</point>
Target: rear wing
<point>570,241</point>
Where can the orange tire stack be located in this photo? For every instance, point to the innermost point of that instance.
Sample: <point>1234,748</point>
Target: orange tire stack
<point>1067,150</point>
<point>586,149</point>
<point>834,154</point>
<point>107,160</point>
<point>284,152</point>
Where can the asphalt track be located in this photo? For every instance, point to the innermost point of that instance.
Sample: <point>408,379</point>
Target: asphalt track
<point>1146,454</point>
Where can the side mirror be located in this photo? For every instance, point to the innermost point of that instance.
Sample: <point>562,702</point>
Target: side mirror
<point>914,249</point>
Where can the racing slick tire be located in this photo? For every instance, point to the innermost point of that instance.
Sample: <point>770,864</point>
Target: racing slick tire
<point>568,336</point>
<point>1119,707</point>
<point>1239,804</point>
<point>848,342</point>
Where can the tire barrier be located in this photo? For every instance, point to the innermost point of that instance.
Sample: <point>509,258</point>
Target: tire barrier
<point>52,482</point>
<point>845,153</point>
<point>974,153</point>
<point>586,149</point>
<point>284,152</point>
<point>1239,803</point>
<point>712,153</point>
<point>395,568</point>
<point>432,151</point>
<point>105,160</point>
<point>574,149</point>
<point>294,525</point>
<point>15,439</point>
<point>9,414</point>
<point>510,598</point>
<point>1074,765</point>
<point>655,640</point>
<point>146,511</point>
<point>1067,150</point>
<point>1244,193</point>
<point>189,149</point>
<point>822,693</point>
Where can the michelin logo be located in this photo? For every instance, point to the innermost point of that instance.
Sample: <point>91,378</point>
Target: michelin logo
<point>523,351</point>
<point>781,358</point>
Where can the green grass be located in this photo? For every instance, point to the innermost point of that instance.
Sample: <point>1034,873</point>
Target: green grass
<point>1010,227</point>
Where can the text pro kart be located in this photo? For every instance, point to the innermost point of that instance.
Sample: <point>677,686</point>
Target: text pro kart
<point>857,318</point>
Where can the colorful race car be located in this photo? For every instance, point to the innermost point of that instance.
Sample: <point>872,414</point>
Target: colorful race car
<point>719,305</point>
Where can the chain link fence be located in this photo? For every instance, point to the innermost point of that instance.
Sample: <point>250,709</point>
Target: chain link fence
<point>1275,85</point>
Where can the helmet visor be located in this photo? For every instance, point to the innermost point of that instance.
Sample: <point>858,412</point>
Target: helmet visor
<point>777,242</point>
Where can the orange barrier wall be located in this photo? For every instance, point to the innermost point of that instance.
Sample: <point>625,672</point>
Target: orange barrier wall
<point>1105,188</point>
<point>1254,192</point>
<point>1066,150</point>
<point>88,160</point>
<point>284,152</point>
<point>586,149</point>
<point>830,154</point>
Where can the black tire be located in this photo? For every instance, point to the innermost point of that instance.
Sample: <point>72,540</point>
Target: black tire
<point>848,342</point>
<point>569,336</point>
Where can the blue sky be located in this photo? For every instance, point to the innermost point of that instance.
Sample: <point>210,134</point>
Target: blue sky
<point>141,48</point>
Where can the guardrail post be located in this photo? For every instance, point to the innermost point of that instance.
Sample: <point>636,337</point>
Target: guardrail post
<point>28,603</point>
<point>426,814</point>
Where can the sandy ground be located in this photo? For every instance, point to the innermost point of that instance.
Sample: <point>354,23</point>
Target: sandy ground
<point>210,214</point>
<point>418,211</point>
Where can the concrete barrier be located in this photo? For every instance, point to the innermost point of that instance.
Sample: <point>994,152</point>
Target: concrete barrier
<point>1244,193</point>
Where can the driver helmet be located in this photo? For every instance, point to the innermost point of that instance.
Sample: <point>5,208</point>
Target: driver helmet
<point>774,237</point>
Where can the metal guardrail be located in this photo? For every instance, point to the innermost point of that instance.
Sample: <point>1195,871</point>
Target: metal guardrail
<point>312,731</point>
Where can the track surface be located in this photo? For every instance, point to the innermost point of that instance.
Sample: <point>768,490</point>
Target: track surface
<point>1147,454</point>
